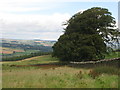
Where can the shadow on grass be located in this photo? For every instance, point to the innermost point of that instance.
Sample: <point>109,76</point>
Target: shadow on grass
<point>114,63</point>
<point>108,67</point>
<point>44,65</point>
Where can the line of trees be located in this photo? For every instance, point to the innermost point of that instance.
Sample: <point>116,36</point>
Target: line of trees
<point>16,58</point>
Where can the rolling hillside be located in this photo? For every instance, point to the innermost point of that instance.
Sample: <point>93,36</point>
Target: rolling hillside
<point>28,42</point>
<point>42,45</point>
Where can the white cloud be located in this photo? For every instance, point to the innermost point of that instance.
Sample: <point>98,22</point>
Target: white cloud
<point>20,9</point>
<point>32,26</point>
<point>9,6</point>
<point>14,23</point>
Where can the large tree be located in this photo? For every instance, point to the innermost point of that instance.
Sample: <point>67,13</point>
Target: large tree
<point>86,36</point>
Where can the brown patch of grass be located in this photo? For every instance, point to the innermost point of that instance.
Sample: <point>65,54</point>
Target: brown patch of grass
<point>7,52</point>
<point>93,74</point>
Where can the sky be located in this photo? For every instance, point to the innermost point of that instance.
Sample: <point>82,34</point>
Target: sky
<point>43,19</point>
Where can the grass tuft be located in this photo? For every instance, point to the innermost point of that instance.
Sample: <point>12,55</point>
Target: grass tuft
<point>106,70</point>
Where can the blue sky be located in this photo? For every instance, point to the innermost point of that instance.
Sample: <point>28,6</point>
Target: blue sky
<point>72,7</point>
<point>24,19</point>
<point>76,6</point>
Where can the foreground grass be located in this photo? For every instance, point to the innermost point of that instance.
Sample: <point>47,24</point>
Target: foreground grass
<point>56,77</point>
<point>62,77</point>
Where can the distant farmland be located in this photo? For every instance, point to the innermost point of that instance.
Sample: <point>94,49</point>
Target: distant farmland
<point>10,50</point>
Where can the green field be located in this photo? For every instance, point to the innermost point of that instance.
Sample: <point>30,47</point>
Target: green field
<point>55,76</point>
<point>112,55</point>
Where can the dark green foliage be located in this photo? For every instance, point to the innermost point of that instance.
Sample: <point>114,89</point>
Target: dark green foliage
<point>76,47</point>
<point>86,36</point>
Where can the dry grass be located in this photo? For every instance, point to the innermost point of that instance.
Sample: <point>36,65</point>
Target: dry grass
<point>61,77</point>
<point>54,77</point>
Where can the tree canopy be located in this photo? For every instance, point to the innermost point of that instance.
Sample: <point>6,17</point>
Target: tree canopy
<point>86,36</point>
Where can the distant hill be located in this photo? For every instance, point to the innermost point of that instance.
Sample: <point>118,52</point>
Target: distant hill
<point>28,42</point>
<point>42,45</point>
